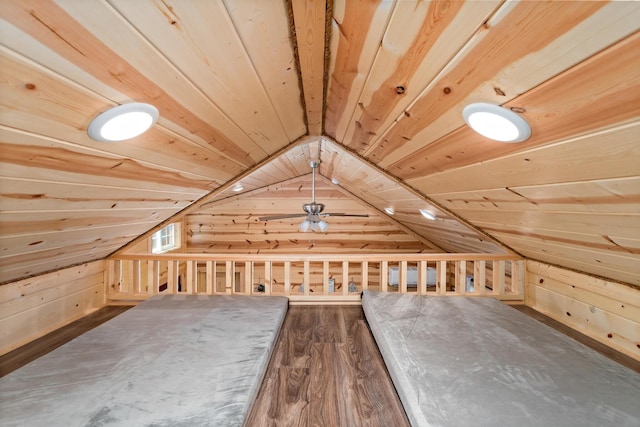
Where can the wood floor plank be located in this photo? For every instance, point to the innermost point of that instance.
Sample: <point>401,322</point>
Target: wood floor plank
<point>324,387</point>
<point>346,381</point>
<point>289,403</point>
<point>292,349</point>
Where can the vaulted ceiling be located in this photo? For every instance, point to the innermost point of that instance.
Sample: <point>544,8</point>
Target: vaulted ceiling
<point>248,90</point>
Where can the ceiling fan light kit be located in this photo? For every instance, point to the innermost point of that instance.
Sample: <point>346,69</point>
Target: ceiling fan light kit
<point>313,211</point>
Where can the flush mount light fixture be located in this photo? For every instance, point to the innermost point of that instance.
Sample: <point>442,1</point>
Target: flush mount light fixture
<point>237,188</point>
<point>335,181</point>
<point>495,122</point>
<point>425,213</point>
<point>125,121</point>
<point>389,211</point>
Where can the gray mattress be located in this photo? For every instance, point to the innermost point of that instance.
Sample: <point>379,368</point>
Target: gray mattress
<point>464,361</point>
<point>171,361</point>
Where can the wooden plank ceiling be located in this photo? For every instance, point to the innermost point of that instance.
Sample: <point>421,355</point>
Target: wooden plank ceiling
<point>248,89</point>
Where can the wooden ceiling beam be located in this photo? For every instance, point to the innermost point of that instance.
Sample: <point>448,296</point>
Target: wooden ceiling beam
<point>308,25</point>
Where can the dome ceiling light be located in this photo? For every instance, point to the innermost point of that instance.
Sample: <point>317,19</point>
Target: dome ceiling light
<point>389,211</point>
<point>495,122</point>
<point>123,122</point>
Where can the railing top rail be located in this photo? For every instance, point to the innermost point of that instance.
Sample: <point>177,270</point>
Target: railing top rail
<point>412,257</point>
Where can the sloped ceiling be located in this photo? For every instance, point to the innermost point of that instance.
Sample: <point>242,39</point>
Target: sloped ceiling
<point>229,222</point>
<point>246,89</point>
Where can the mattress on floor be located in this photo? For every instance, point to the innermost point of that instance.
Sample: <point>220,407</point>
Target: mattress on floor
<point>174,360</point>
<point>464,361</point>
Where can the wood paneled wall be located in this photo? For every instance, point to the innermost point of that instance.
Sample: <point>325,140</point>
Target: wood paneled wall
<point>33,307</point>
<point>232,225</point>
<point>606,311</point>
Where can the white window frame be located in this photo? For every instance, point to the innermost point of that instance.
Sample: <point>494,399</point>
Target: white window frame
<point>166,239</point>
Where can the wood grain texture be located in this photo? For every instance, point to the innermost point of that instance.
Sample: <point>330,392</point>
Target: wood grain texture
<point>243,88</point>
<point>309,21</point>
<point>569,297</point>
<point>326,370</point>
<point>31,308</point>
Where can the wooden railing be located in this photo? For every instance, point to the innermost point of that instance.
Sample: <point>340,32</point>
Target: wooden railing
<point>314,279</point>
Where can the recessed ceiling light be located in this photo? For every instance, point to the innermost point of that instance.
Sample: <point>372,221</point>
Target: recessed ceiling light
<point>335,181</point>
<point>125,121</point>
<point>495,122</point>
<point>389,211</point>
<point>425,213</point>
<point>238,187</point>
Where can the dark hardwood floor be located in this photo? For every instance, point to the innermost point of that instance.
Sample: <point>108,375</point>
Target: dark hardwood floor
<point>326,370</point>
<point>29,352</point>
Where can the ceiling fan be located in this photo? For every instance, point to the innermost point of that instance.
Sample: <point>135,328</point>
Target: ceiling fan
<point>313,211</point>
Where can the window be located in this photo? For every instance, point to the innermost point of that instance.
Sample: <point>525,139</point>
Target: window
<point>165,239</point>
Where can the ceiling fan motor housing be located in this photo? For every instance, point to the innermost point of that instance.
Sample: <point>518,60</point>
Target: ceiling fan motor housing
<point>313,208</point>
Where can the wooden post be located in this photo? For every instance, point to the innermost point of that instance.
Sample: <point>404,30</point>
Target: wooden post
<point>229,279</point>
<point>461,277</point>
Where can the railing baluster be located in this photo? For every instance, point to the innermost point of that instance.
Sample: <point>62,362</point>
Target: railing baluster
<point>134,286</point>
<point>172,276</point>
<point>479,277</point>
<point>365,274</point>
<point>325,278</point>
<point>190,277</point>
<point>422,278</point>
<point>229,277</point>
<point>248,277</point>
<point>441,273</point>
<point>461,277</point>
<point>153,276</point>
<point>517,278</point>
<point>498,277</point>
<point>287,277</point>
<point>384,275</point>
<point>403,277</point>
<point>345,277</point>
<point>210,277</point>
<point>267,278</point>
<point>307,279</point>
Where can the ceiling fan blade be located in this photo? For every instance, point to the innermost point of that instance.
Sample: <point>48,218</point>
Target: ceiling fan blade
<point>274,217</point>
<point>345,214</point>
